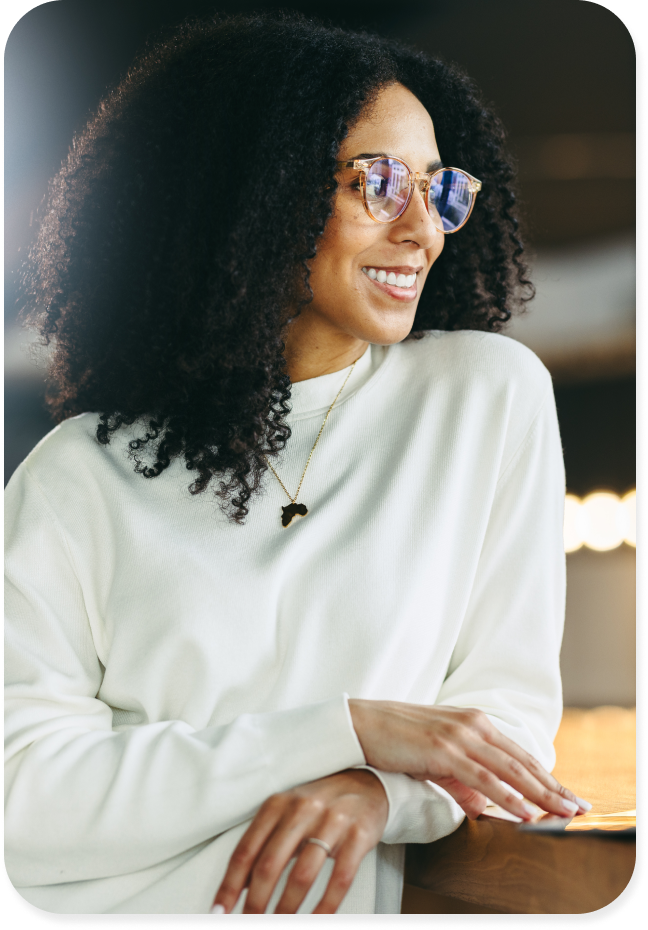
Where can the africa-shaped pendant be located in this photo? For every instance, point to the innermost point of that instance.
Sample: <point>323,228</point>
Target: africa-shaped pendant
<point>292,510</point>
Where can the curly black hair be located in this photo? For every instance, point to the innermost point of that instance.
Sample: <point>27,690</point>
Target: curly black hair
<point>176,237</point>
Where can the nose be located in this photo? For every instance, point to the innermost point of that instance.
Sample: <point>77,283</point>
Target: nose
<point>415,222</point>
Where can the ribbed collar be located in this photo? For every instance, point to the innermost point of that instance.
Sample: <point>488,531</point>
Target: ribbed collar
<point>316,395</point>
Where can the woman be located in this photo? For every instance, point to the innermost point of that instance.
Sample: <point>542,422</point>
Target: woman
<point>343,635</point>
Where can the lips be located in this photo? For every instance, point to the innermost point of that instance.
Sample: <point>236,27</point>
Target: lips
<point>398,282</point>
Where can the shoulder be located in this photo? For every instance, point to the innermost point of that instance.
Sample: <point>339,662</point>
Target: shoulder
<point>68,445</point>
<point>484,383</point>
<point>470,355</point>
<point>474,367</point>
<point>69,463</point>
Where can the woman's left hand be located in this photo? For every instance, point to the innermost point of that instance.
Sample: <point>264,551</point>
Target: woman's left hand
<point>348,811</point>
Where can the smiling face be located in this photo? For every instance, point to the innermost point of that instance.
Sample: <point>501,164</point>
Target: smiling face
<point>351,305</point>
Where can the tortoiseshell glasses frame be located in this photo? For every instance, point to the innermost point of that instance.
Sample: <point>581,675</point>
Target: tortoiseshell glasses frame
<point>425,181</point>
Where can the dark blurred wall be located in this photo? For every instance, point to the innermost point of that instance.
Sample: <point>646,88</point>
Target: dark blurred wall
<point>552,69</point>
<point>597,427</point>
<point>559,72</point>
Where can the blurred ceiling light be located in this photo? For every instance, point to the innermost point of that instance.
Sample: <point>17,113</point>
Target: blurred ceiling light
<point>601,521</point>
<point>576,155</point>
<point>605,521</point>
<point>629,501</point>
<point>574,525</point>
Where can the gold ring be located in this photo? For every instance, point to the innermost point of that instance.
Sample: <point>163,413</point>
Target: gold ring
<point>325,846</point>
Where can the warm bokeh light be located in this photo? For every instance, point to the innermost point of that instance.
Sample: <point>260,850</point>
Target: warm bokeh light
<point>600,521</point>
<point>573,529</point>
<point>629,501</point>
<point>604,521</point>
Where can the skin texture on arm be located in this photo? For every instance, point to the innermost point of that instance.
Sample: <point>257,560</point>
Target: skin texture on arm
<point>458,749</point>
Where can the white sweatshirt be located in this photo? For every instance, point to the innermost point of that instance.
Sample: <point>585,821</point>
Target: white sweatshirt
<point>168,670</point>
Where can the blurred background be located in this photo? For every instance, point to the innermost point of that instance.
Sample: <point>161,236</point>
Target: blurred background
<point>561,74</point>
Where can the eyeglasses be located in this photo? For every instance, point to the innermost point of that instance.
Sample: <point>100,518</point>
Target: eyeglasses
<point>387,185</point>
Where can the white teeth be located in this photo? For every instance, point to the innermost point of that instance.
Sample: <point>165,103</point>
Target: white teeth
<point>402,280</point>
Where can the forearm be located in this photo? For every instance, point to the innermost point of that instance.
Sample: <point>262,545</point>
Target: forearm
<point>91,804</point>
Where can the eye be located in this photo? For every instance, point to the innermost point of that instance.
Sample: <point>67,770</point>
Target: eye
<point>377,186</point>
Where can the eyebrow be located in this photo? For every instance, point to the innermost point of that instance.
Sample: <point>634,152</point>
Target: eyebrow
<point>432,166</point>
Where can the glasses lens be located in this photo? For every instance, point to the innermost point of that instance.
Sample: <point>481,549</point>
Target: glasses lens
<point>449,200</point>
<point>387,189</point>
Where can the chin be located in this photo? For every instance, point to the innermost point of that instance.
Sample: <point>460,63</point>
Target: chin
<point>382,333</point>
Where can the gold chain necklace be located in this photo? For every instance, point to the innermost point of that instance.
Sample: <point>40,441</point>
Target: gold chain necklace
<point>294,509</point>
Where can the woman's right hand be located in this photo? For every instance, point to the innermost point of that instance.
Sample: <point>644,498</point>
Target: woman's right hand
<point>460,750</point>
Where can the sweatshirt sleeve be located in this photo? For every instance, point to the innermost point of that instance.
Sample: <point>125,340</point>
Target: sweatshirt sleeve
<point>506,659</point>
<point>85,800</point>
<point>419,811</point>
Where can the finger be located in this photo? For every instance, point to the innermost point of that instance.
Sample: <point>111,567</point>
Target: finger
<point>478,721</point>
<point>536,769</point>
<point>477,776</point>
<point>310,861</point>
<point>246,852</point>
<point>347,862</point>
<point>302,875</point>
<point>294,826</point>
<point>514,772</point>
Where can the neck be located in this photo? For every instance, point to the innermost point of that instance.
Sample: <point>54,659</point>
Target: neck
<point>313,350</point>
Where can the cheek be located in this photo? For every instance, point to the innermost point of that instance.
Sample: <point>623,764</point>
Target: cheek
<point>345,238</point>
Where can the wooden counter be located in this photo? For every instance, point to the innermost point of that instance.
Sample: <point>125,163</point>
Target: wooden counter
<point>490,866</point>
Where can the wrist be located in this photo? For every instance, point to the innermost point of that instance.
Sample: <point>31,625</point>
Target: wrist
<point>366,724</point>
<point>366,782</point>
<point>358,710</point>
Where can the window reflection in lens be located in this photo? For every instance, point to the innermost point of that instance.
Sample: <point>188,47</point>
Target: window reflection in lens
<point>387,186</point>
<point>449,200</point>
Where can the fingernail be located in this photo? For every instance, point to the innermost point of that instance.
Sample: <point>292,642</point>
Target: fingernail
<point>584,804</point>
<point>217,909</point>
<point>569,806</point>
